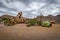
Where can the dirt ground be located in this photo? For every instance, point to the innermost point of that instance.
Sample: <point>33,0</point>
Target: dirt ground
<point>21,32</point>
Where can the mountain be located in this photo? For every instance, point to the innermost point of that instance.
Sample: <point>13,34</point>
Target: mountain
<point>50,18</point>
<point>57,18</point>
<point>7,16</point>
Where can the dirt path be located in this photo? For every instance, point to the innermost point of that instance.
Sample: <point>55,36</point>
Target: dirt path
<point>21,32</point>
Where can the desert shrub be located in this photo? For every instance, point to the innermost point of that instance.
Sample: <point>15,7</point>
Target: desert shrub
<point>39,23</point>
<point>32,22</point>
<point>0,20</point>
<point>46,24</point>
<point>7,22</point>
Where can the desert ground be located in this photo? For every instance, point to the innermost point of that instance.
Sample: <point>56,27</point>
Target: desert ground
<point>21,32</point>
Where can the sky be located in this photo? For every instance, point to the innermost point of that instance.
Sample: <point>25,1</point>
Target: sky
<point>30,8</point>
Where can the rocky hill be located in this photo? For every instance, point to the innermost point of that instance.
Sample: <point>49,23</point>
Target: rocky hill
<point>55,19</point>
<point>19,18</point>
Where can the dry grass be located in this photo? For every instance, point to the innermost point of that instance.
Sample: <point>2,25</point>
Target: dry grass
<point>21,32</point>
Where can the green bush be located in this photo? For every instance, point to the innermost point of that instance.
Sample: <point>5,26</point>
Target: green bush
<point>0,20</point>
<point>39,23</point>
<point>7,22</point>
<point>32,22</point>
<point>46,24</point>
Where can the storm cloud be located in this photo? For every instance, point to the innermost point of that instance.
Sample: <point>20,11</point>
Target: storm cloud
<point>30,8</point>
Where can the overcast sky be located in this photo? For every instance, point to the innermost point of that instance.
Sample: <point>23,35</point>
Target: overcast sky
<point>30,8</point>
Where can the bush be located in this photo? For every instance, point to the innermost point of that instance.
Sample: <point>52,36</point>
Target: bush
<point>0,20</point>
<point>39,23</point>
<point>7,22</point>
<point>46,24</point>
<point>32,22</point>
